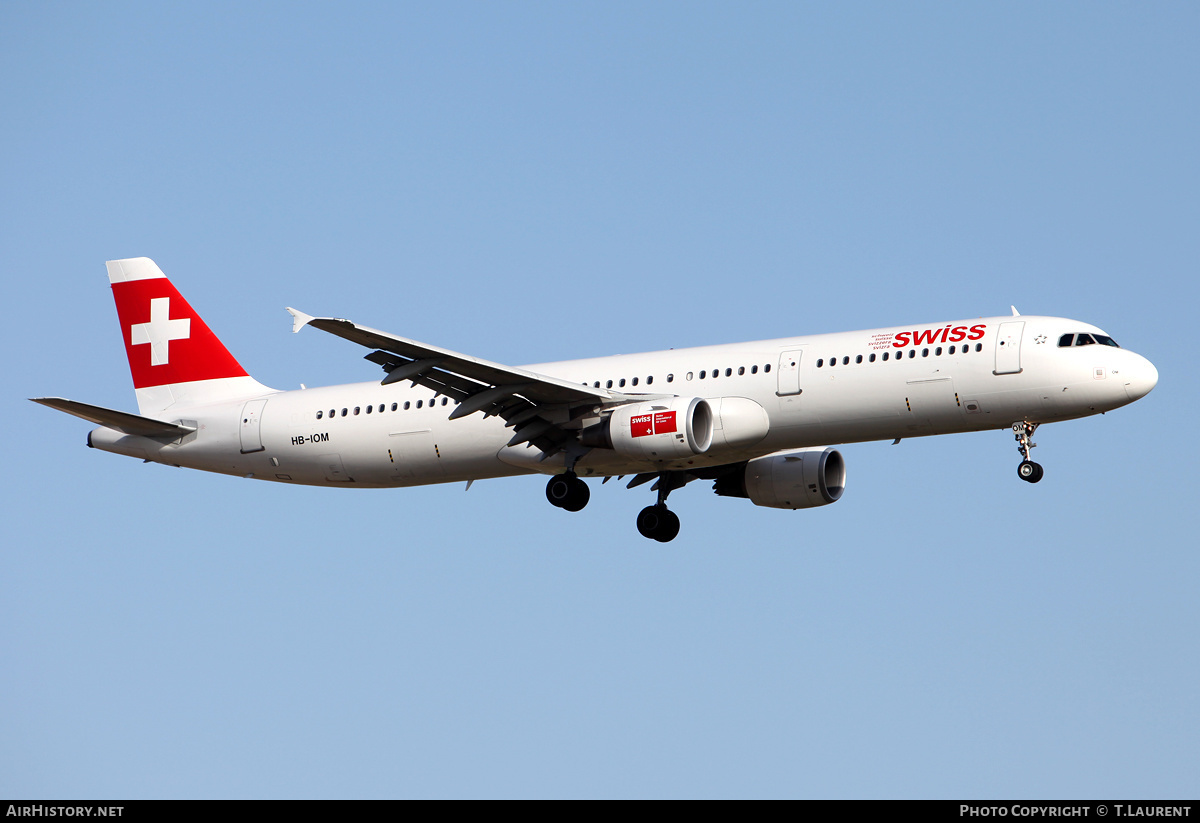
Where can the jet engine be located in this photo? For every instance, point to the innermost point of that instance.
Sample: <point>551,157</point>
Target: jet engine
<point>788,480</point>
<point>667,429</point>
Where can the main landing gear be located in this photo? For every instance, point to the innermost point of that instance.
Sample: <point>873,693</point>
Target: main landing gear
<point>567,492</point>
<point>657,522</point>
<point>1028,471</point>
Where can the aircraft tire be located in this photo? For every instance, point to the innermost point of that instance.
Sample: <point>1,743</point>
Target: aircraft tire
<point>669,528</point>
<point>558,490</point>
<point>566,491</point>
<point>579,496</point>
<point>658,523</point>
<point>1029,471</point>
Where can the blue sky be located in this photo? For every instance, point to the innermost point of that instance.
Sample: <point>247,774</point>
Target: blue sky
<point>530,182</point>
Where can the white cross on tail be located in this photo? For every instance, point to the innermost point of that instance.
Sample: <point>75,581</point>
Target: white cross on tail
<point>160,331</point>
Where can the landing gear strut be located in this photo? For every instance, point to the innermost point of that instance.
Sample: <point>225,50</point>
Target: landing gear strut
<point>567,492</point>
<point>657,522</point>
<point>1028,471</point>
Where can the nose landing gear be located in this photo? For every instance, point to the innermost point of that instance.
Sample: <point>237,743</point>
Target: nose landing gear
<point>1028,471</point>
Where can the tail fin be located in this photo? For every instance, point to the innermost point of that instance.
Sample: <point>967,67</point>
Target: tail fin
<point>174,358</point>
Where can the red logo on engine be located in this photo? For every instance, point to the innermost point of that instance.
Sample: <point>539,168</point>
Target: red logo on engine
<point>644,425</point>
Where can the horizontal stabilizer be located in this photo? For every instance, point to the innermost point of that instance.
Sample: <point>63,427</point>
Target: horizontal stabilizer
<point>120,421</point>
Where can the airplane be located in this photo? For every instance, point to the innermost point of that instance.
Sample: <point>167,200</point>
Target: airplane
<point>757,419</point>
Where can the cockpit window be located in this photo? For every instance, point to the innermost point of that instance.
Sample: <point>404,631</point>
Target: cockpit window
<point>1068,340</point>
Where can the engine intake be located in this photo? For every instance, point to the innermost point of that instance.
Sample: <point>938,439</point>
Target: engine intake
<point>658,430</point>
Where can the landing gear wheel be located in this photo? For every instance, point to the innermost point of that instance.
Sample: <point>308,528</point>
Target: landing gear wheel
<point>580,495</point>
<point>670,527</point>
<point>566,491</point>
<point>658,523</point>
<point>1029,471</point>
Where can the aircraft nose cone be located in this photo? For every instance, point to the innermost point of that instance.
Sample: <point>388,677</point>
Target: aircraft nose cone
<point>1140,378</point>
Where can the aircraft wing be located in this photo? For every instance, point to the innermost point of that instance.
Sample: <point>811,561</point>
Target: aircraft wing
<point>118,420</point>
<point>538,406</point>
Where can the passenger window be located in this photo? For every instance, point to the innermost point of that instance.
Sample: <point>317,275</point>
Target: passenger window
<point>621,383</point>
<point>596,385</point>
<point>670,378</point>
<point>938,351</point>
<point>741,370</point>
<point>754,369</point>
<point>407,405</point>
<point>924,352</point>
<point>978,347</point>
<point>951,350</point>
<point>370,409</point>
<point>913,353</point>
<point>320,414</point>
<point>846,360</point>
<point>885,355</point>
<point>858,359</point>
<point>728,372</point>
<point>608,384</point>
<point>343,412</point>
<point>702,373</point>
<point>832,362</point>
<point>395,406</point>
<point>357,409</point>
<point>767,367</point>
<point>419,403</point>
<point>445,400</point>
<point>650,380</point>
<point>820,363</point>
<point>689,375</point>
<point>635,381</point>
<point>871,357</point>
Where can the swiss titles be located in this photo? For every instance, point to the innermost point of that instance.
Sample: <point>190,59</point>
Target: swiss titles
<point>946,334</point>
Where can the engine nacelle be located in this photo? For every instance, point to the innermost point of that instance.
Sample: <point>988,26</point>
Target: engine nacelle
<point>738,422</point>
<point>667,429</point>
<point>789,480</point>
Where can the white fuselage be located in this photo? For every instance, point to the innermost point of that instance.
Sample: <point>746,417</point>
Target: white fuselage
<point>962,376</point>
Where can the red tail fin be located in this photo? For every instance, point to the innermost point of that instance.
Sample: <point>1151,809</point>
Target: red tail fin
<point>174,357</point>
